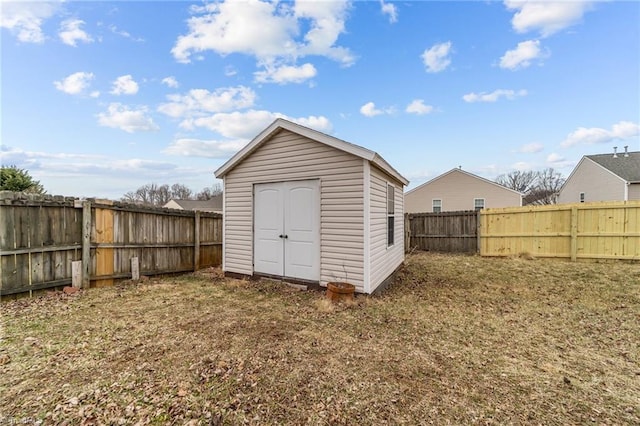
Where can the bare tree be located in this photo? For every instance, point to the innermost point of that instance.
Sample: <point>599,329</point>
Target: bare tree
<point>153,194</point>
<point>548,184</point>
<point>209,192</point>
<point>181,192</point>
<point>521,181</point>
<point>162,195</point>
<point>538,187</point>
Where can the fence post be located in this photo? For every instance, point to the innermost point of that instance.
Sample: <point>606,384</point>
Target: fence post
<point>135,269</point>
<point>76,273</point>
<point>478,225</point>
<point>86,243</point>
<point>407,233</point>
<point>574,233</point>
<point>196,242</point>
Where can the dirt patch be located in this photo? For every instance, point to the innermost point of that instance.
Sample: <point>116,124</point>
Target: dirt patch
<point>457,339</point>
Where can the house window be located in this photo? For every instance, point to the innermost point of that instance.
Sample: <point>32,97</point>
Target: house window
<point>582,197</point>
<point>391,193</point>
<point>478,204</point>
<point>437,206</point>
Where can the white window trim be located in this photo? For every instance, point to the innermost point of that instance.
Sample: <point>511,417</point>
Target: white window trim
<point>387,215</point>
<point>432,206</point>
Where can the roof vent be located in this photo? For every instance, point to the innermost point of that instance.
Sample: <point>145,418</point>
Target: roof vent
<point>626,152</point>
<point>615,152</point>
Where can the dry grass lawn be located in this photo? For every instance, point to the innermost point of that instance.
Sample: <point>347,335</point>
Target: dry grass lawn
<point>457,340</point>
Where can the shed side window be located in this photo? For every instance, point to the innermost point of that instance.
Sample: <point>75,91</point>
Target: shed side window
<point>478,204</point>
<point>391,197</point>
<point>437,206</point>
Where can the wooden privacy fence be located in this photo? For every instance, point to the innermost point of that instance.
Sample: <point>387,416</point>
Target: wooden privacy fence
<point>446,231</point>
<point>608,230</point>
<point>42,236</point>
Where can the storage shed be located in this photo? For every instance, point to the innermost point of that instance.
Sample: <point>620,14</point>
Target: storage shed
<point>307,207</point>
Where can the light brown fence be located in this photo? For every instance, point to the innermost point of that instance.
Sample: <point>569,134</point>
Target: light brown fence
<point>574,231</point>
<point>445,232</point>
<point>40,237</point>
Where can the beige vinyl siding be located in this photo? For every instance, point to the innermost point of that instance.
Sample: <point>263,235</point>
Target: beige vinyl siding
<point>597,183</point>
<point>634,191</point>
<point>384,260</point>
<point>288,156</point>
<point>458,190</point>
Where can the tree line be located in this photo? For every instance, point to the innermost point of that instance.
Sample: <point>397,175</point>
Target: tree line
<point>539,187</point>
<point>153,194</point>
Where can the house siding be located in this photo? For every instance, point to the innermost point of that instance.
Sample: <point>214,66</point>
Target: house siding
<point>457,190</point>
<point>384,260</point>
<point>597,183</point>
<point>634,191</point>
<point>287,156</point>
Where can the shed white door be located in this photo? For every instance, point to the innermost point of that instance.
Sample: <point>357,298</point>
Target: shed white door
<point>287,229</point>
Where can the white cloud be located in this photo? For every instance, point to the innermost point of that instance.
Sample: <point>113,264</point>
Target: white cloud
<point>391,10</point>
<point>95,94</point>
<point>369,110</point>
<point>124,33</point>
<point>522,166</point>
<point>130,120</point>
<point>25,19</point>
<point>247,124</point>
<point>522,55</point>
<point>625,130</point>
<point>124,85</point>
<point>547,17</point>
<point>276,34</point>
<point>269,31</point>
<point>70,32</point>
<point>74,84</point>
<point>554,158</point>
<point>595,135</point>
<point>418,107</point>
<point>170,82</point>
<point>198,102</point>
<point>286,74</point>
<point>204,148</point>
<point>559,162</point>
<point>436,58</point>
<point>531,148</point>
<point>493,96</point>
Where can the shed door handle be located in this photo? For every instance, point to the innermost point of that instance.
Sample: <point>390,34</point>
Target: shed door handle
<point>283,236</point>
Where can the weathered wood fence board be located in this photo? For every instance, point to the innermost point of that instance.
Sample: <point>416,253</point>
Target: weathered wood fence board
<point>608,230</point>
<point>445,232</point>
<point>38,244</point>
<point>40,237</point>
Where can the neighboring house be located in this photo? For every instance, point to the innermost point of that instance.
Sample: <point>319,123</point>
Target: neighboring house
<point>212,205</point>
<point>603,177</point>
<point>458,190</point>
<point>309,207</point>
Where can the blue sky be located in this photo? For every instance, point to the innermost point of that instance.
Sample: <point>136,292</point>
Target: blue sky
<point>100,98</point>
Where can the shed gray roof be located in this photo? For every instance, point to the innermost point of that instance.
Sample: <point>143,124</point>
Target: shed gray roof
<point>312,134</point>
<point>628,168</point>
<point>213,204</point>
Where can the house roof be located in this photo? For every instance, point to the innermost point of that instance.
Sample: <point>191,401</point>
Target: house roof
<point>627,168</point>
<point>212,205</point>
<point>315,135</point>
<point>455,169</point>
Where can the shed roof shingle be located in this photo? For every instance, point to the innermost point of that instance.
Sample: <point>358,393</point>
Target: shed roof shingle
<point>628,168</point>
<point>213,204</point>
